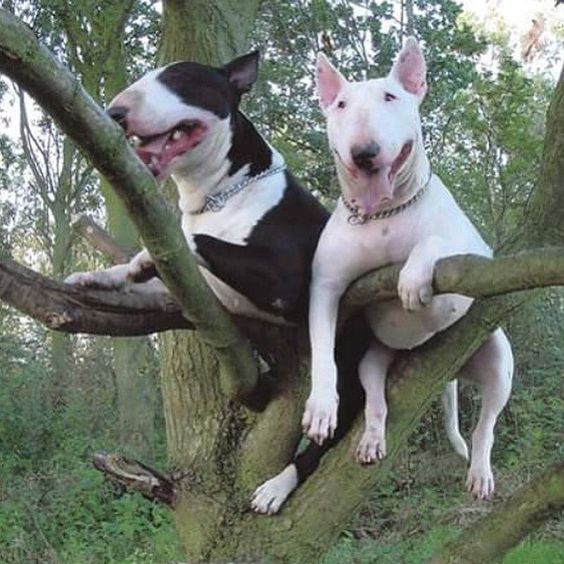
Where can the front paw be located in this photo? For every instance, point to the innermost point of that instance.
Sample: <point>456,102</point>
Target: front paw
<point>372,446</point>
<point>415,287</point>
<point>98,279</point>
<point>320,417</point>
<point>480,482</point>
<point>140,269</point>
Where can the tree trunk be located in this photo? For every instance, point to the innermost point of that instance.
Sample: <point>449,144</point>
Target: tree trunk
<point>136,394</point>
<point>61,345</point>
<point>135,384</point>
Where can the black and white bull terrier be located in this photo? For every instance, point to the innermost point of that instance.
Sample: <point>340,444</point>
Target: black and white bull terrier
<point>393,209</point>
<point>249,223</point>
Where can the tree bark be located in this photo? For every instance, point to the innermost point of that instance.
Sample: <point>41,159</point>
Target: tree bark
<point>141,309</point>
<point>504,527</point>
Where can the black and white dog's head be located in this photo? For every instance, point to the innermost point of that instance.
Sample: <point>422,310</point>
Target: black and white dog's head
<point>182,115</point>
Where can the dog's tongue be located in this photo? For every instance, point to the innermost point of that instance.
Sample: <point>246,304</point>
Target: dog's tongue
<point>379,193</point>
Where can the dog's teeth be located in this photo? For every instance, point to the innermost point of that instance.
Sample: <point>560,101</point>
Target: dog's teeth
<point>134,140</point>
<point>176,135</point>
<point>154,160</point>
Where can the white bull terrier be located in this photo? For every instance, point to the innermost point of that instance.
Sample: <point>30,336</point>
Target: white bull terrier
<point>393,209</point>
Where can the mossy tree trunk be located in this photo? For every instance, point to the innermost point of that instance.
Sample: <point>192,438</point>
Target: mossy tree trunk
<point>227,451</point>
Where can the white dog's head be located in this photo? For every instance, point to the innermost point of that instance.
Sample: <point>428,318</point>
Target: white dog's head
<point>373,125</point>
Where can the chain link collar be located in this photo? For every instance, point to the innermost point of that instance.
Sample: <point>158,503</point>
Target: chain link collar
<point>216,202</point>
<point>357,218</point>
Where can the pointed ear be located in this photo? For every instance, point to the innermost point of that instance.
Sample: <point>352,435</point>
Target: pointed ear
<point>242,72</point>
<point>410,69</point>
<point>328,81</point>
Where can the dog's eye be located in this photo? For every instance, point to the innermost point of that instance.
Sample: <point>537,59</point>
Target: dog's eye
<point>341,104</point>
<point>389,97</point>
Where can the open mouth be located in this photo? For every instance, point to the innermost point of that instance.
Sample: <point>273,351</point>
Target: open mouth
<point>400,159</point>
<point>374,188</point>
<point>158,150</point>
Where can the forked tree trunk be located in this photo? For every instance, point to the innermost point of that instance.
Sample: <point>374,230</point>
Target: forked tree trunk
<point>224,451</point>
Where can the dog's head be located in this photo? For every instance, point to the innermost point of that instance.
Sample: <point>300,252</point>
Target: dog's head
<point>373,125</point>
<point>180,114</point>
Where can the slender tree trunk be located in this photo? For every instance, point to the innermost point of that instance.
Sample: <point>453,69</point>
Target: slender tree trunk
<point>135,383</point>
<point>131,357</point>
<point>61,354</point>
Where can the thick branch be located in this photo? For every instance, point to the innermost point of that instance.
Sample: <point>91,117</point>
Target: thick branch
<point>474,276</point>
<point>416,378</point>
<point>147,308</point>
<point>143,309</point>
<point>31,65</point>
<point>132,475</point>
<point>505,527</point>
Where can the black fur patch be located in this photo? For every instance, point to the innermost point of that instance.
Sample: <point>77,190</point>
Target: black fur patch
<point>201,86</point>
<point>273,268</point>
<point>247,147</point>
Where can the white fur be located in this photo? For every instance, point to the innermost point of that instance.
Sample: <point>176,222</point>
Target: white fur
<point>269,497</point>
<point>433,228</point>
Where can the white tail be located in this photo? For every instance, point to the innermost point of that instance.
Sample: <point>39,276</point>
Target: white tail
<point>450,411</point>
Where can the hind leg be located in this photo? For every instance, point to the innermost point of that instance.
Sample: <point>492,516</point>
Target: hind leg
<point>372,372</point>
<point>491,368</point>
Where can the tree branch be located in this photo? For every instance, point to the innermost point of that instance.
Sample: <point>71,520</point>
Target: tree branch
<point>146,308</point>
<point>506,526</point>
<point>101,240</point>
<point>132,475</point>
<point>142,309</point>
<point>32,66</point>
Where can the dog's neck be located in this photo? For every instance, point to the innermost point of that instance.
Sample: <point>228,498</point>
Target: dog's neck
<point>235,153</point>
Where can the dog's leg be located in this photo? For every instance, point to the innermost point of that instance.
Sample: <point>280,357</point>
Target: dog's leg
<point>372,371</point>
<point>351,346</point>
<point>139,269</point>
<point>491,368</point>
<point>320,416</point>
<point>415,284</point>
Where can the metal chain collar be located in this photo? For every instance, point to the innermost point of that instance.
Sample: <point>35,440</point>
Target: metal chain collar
<point>216,202</point>
<point>357,218</point>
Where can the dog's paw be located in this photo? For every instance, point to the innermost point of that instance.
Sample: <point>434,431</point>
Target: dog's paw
<point>141,268</point>
<point>320,416</point>
<point>372,446</point>
<point>480,482</point>
<point>99,279</point>
<point>415,287</point>
<point>269,497</point>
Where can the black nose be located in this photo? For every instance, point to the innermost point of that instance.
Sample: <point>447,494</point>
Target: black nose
<point>118,114</point>
<point>363,156</point>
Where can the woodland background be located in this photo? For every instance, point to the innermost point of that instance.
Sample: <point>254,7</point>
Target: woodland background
<point>64,397</point>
